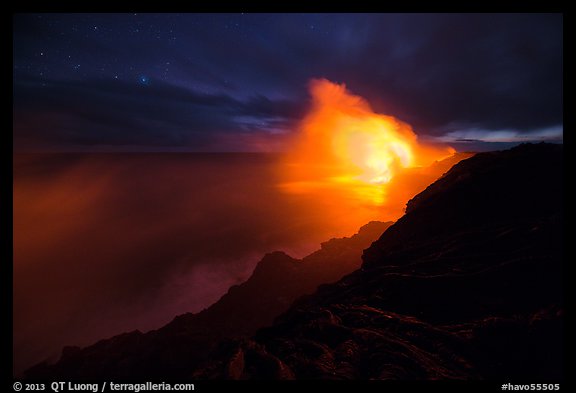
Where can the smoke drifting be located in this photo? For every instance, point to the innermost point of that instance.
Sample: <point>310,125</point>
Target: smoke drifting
<point>344,150</point>
<point>107,243</point>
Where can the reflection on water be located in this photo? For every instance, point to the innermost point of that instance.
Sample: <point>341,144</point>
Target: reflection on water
<point>344,187</point>
<point>348,201</point>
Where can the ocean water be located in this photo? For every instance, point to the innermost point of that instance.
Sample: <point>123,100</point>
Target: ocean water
<point>106,243</point>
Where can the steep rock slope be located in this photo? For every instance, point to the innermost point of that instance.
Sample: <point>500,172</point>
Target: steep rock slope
<point>468,284</point>
<point>178,348</point>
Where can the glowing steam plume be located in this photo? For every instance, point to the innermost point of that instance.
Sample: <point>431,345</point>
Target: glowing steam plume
<point>342,141</point>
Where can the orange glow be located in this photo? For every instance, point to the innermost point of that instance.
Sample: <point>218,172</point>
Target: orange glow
<point>343,149</point>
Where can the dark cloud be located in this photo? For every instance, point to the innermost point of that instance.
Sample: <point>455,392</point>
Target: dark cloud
<point>212,74</point>
<point>489,71</point>
<point>93,112</point>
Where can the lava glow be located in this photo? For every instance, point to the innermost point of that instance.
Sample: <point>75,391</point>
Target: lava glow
<point>343,144</point>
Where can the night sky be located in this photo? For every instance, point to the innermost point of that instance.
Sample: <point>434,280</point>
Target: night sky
<point>238,82</point>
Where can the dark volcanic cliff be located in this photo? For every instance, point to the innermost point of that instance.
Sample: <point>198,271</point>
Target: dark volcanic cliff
<point>178,348</point>
<point>468,284</point>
